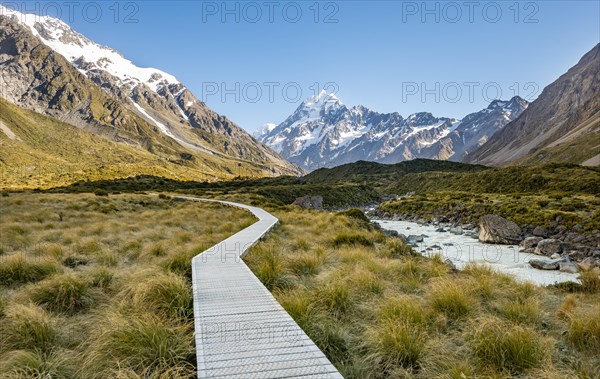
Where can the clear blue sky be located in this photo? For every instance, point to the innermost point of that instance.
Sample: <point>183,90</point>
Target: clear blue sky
<point>382,54</point>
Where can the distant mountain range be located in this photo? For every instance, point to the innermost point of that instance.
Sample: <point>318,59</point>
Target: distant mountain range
<point>47,67</point>
<point>323,132</point>
<point>561,125</point>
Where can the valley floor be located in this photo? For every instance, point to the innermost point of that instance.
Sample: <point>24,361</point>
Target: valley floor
<point>97,286</point>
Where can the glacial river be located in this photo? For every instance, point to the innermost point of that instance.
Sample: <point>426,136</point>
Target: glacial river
<point>462,250</point>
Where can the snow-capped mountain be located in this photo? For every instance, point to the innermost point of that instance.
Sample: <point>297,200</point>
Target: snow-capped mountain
<point>153,95</point>
<point>323,132</point>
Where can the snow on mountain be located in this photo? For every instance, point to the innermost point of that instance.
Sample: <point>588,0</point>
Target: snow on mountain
<point>263,131</point>
<point>78,49</point>
<point>323,132</point>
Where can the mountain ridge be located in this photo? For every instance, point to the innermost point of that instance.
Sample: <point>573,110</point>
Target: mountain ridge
<point>43,68</point>
<point>323,132</point>
<point>558,126</point>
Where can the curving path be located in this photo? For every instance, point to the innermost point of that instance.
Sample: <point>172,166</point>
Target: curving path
<point>241,330</point>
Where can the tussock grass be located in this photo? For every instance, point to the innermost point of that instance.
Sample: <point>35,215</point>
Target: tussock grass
<point>590,280</point>
<point>352,239</point>
<point>507,347</point>
<point>269,267</point>
<point>64,293</point>
<point>584,330</point>
<point>28,327</point>
<point>395,343</point>
<point>167,294</point>
<point>403,309</point>
<point>450,299</point>
<point>25,364</point>
<point>306,263</point>
<point>143,344</point>
<point>523,312</point>
<point>97,302</point>
<point>101,278</point>
<point>19,269</point>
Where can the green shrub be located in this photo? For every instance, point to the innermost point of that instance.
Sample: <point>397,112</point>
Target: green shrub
<point>352,239</point>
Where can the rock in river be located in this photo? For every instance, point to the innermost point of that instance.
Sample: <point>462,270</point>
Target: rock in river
<point>496,229</point>
<point>545,264</point>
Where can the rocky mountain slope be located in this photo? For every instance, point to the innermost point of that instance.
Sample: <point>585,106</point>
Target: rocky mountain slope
<point>562,124</point>
<point>47,67</point>
<point>323,132</point>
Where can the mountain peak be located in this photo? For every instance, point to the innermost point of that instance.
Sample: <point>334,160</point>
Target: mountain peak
<point>321,100</point>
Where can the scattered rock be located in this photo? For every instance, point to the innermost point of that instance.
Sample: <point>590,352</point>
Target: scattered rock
<point>588,263</point>
<point>309,202</point>
<point>496,229</point>
<point>528,244</point>
<point>458,230</point>
<point>538,231</point>
<point>440,230</point>
<point>570,267</point>
<point>555,256</point>
<point>414,238</point>
<point>545,264</point>
<point>548,247</point>
<point>450,263</point>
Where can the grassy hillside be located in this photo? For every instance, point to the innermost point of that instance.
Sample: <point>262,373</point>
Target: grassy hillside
<point>380,174</point>
<point>38,151</point>
<point>427,176</point>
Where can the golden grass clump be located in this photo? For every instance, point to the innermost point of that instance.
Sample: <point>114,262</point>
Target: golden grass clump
<point>395,343</point>
<point>167,294</point>
<point>584,330</point>
<point>63,293</point>
<point>144,344</point>
<point>505,347</point>
<point>449,298</point>
<point>20,269</point>
<point>28,327</point>
<point>25,364</point>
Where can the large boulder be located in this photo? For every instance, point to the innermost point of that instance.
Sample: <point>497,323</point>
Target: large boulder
<point>549,247</point>
<point>309,202</point>
<point>496,229</point>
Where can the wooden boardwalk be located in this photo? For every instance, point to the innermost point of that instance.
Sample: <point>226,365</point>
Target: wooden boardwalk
<point>241,330</point>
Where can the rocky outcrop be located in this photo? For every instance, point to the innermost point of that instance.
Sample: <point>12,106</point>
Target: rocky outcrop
<point>496,229</point>
<point>309,202</point>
